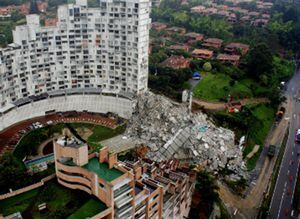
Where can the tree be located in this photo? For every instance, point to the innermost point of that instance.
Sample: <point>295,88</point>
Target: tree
<point>260,61</point>
<point>207,66</point>
<point>12,173</point>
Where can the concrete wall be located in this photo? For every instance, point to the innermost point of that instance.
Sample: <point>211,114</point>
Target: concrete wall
<point>28,188</point>
<point>93,103</point>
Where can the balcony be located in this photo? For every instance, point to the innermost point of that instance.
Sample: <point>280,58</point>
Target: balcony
<point>123,201</point>
<point>122,192</point>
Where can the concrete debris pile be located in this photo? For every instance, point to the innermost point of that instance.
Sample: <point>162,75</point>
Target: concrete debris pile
<point>171,131</point>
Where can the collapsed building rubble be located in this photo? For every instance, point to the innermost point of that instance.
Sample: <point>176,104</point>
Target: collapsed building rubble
<point>170,130</point>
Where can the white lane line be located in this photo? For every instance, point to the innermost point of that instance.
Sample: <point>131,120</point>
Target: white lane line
<point>294,182</point>
<point>281,167</point>
<point>281,201</point>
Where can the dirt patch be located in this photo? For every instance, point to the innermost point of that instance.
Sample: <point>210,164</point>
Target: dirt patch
<point>84,132</point>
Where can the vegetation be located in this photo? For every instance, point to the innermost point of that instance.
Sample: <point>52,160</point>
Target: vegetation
<point>253,122</point>
<point>205,196</point>
<point>61,202</point>
<point>29,143</point>
<point>264,208</point>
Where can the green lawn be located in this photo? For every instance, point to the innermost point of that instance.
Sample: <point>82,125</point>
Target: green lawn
<point>101,133</point>
<point>102,170</point>
<point>61,202</point>
<point>30,142</point>
<point>216,87</point>
<point>259,132</point>
<point>90,208</point>
<point>17,203</point>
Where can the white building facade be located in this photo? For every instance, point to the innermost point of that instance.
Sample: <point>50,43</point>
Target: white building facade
<point>104,48</point>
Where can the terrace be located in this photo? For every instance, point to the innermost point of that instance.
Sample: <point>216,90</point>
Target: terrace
<point>102,170</point>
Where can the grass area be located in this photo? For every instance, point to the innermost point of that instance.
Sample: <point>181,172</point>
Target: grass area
<point>17,203</point>
<point>254,122</point>
<point>101,133</point>
<point>61,203</point>
<point>29,143</point>
<point>90,208</point>
<point>102,170</point>
<point>238,186</point>
<point>216,87</point>
<point>263,212</point>
<point>258,132</point>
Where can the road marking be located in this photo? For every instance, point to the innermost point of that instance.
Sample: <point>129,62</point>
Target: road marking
<point>281,203</point>
<point>288,172</point>
<point>284,184</point>
<point>292,152</point>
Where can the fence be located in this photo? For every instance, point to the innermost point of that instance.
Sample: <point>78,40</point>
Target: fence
<point>27,188</point>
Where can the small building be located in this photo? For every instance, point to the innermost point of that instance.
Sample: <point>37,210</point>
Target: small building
<point>237,48</point>
<point>213,43</point>
<point>194,36</point>
<point>260,22</point>
<point>176,62</point>
<point>202,53</point>
<point>42,6</point>
<point>185,48</point>
<point>232,18</point>
<point>158,26</point>
<point>178,30</point>
<point>50,22</point>
<point>253,14</point>
<point>196,76</point>
<point>245,18</point>
<point>232,59</point>
<point>198,9</point>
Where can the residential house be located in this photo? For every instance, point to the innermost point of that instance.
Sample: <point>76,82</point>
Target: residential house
<point>158,26</point>
<point>176,62</point>
<point>237,48</point>
<point>178,30</point>
<point>202,53</point>
<point>232,59</point>
<point>185,48</point>
<point>212,43</point>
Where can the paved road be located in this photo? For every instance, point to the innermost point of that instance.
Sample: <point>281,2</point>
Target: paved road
<point>281,203</point>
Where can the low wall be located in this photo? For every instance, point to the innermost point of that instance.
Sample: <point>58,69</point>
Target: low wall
<point>27,188</point>
<point>92,103</point>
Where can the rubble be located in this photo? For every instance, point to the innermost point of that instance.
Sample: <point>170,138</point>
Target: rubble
<point>170,130</point>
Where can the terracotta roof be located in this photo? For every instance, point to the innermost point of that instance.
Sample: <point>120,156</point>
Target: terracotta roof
<point>202,51</point>
<point>226,57</point>
<point>213,40</point>
<point>237,46</point>
<point>176,62</point>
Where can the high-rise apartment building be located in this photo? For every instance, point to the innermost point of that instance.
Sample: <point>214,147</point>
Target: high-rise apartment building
<point>140,189</point>
<point>103,48</point>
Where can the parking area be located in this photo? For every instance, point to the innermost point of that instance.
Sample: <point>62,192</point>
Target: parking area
<point>11,136</point>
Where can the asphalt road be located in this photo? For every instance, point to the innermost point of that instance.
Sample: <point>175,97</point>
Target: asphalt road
<point>281,203</point>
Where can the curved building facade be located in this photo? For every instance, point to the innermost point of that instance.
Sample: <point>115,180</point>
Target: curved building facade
<point>104,48</point>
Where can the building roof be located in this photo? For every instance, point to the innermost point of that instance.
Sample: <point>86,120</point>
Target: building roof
<point>178,47</point>
<point>176,62</point>
<point>202,51</point>
<point>213,40</point>
<point>237,46</point>
<point>226,57</point>
<point>102,170</point>
<point>158,25</point>
<point>194,35</point>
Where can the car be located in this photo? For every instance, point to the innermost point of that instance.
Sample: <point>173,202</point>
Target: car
<point>298,136</point>
<point>291,178</point>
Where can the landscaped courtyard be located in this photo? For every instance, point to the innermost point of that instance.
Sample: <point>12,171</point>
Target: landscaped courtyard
<point>61,203</point>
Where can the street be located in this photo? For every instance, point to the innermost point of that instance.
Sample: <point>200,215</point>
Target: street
<point>281,203</point>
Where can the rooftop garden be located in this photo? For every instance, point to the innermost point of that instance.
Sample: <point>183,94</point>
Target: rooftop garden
<point>61,203</point>
<point>102,170</point>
